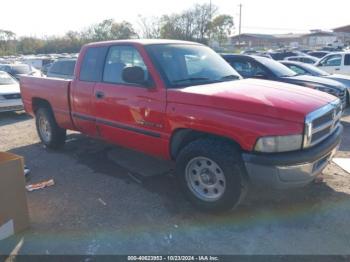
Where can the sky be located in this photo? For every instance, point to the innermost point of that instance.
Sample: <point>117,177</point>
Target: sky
<point>46,17</point>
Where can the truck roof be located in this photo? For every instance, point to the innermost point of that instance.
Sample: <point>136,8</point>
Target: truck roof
<point>141,42</point>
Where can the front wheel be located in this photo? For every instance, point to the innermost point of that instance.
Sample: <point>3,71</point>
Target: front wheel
<point>212,174</point>
<point>49,132</point>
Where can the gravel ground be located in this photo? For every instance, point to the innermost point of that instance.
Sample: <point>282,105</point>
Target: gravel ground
<point>97,207</point>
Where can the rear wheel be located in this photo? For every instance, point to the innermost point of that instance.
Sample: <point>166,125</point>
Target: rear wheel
<point>49,132</point>
<point>212,175</point>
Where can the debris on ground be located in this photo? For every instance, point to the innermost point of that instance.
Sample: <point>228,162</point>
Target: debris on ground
<point>26,171</point>
<point>40,185</point>
<point>319,179</point>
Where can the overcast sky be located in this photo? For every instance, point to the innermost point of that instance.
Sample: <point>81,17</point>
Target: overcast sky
<point>46,17</point>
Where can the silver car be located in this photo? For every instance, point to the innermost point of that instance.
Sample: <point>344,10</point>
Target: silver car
<point>10,94</point>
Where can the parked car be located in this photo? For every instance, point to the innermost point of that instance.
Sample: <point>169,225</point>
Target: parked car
<point>10,95</point>
<point>280,55</point>
<point>318,54</point>
<point>63,68</point>
<point>303,59</point>
<point>336,63</point>
<point>181,101</point>
<point>305,69</point>
<point>264,68</point>
<point>18,70</point>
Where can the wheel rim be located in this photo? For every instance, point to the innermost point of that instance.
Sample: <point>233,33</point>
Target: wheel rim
<point>45,129</point>
<point>205,179</point>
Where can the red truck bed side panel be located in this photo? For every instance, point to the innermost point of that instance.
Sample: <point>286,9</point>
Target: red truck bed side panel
<point>54,91</point>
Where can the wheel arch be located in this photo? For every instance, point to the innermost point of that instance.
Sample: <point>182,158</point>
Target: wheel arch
<point>40,102</point>
<point>183,136</point>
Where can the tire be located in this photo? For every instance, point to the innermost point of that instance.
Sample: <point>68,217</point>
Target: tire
<point>212,175</point>
<point>49,132</point>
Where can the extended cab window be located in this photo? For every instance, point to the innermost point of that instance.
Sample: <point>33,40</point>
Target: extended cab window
<point>92,65</point>
<point>118,58</point>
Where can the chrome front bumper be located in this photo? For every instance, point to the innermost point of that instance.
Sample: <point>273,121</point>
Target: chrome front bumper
<point>294,169</point>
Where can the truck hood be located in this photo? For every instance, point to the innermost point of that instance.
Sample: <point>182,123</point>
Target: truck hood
<point>257,97</point>
<point>305,79</point>
<point>9,89</point>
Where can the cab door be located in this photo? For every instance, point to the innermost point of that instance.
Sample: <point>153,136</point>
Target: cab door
<point>130,114</point>
<point>331,63</point>
<point>82,89</point>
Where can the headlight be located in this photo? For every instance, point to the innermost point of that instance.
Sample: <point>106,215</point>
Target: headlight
<point>270,144</point>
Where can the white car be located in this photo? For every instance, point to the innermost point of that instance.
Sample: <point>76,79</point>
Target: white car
<point>303,59</point>
<point>336,63</point>
<point>10,94</point>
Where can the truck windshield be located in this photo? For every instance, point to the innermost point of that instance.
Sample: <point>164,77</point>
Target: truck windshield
<point>6,79</point>
<point>184,65</point>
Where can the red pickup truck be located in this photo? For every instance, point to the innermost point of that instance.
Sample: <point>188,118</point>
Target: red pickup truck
<point>181,101</point>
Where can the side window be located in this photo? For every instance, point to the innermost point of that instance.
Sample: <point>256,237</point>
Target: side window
<point>92,65</point>
<point>248,68</point>
<point>297,69</point>
<point>56,68</point>
<point>118,58</point>
<point>332,60</point>
<point>243,67</point>
<point>347,60</point>
<point>68,68</point>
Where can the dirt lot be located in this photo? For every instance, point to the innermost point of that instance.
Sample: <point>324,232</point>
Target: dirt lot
<point>101,207</point>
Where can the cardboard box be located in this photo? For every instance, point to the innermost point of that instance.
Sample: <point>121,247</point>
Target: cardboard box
<point>14,215</point>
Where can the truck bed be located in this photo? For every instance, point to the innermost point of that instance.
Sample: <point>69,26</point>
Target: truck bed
<point>53,90</point>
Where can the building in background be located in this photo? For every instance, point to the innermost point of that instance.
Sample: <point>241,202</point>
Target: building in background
<point>343,34</point>
<point>316,39</point>
<point>266,41</point>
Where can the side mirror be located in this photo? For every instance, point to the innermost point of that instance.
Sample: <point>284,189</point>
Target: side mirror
<point>134,75</point>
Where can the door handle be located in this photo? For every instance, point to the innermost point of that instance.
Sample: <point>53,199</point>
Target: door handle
<point>99,95</point>
<point>337,69</point>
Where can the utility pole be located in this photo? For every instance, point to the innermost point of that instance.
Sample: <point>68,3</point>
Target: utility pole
<point>240,18</point>
<point>211,18</point>
<point>240,25</point>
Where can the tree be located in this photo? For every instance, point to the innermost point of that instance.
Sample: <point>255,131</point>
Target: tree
<point>7,42</point>
<point>222,26</point>
<point>123,30</point>
<point>150,27</point>
<point>192,24</point>
<point>203,15</point>
<point>108,30</point>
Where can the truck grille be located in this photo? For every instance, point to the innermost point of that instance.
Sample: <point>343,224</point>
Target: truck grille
<point>342,97</point>
<point>322,123</point>
<point>12,96</point>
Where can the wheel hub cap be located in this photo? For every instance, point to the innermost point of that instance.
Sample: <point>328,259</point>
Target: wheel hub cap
<point>205,179</point>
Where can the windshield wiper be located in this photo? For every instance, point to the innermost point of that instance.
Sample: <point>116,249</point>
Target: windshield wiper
<point>190,79</point>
